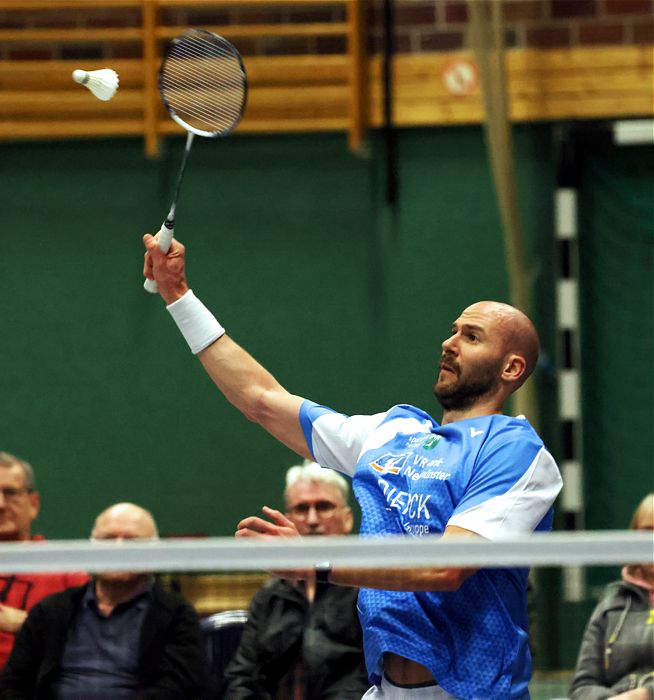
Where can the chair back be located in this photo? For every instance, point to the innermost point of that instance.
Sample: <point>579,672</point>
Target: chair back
<point>222,634</point>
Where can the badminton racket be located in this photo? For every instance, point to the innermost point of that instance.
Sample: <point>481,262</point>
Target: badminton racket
<point>203,85</point>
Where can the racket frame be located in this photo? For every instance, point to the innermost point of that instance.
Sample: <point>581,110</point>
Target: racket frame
<point>167,230</point>
<point>211,37</point>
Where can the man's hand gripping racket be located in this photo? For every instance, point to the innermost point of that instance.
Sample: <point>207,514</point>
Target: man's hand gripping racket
<point>203,85</point>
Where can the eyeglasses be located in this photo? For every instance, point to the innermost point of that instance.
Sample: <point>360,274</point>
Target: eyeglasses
<point>11,494</point>
<point>324,509</point>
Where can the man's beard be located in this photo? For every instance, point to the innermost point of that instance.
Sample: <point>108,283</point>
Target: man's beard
<point>464,392</point>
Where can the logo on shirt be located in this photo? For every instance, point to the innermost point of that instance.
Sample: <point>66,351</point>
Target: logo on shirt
<point>389,463</point>
<point>412,504</point>
<point>427,442</point>
<point>475,433</point>
<point>431,442</point>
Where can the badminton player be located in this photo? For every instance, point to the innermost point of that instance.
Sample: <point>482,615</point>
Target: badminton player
<point>429,633</point>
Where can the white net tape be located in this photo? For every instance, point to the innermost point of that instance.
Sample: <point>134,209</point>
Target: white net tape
<point>228,554</point>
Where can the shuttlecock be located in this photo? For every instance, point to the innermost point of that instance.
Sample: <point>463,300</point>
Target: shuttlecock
<point>102,83</point>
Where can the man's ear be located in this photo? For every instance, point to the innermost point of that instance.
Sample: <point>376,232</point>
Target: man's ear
<point>348,521</point>
<point>514,368</point>
<point>35,503</point>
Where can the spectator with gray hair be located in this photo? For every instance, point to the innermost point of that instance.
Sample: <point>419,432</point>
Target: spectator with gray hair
<point>303,639</point>
<point>311,473</point>
<point>19,507</point>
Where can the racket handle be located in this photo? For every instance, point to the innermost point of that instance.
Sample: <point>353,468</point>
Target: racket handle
<point>165,238</point>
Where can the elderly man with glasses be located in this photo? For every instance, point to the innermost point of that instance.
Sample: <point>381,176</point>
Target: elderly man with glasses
<point>19,506</point>
<point>303,639</point>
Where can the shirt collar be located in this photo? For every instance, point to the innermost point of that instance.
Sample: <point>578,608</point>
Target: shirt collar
<point>90,599</point>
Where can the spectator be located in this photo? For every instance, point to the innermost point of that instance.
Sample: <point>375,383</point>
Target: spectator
<point>303,639</point>
<point>118,637</point>
<point>19,506</point>
<point>616,658</point>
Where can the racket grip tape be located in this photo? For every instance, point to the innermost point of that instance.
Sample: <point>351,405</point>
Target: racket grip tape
<point>165,238</point>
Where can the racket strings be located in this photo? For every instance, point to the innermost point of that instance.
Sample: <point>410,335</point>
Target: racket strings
<point>203,83</point>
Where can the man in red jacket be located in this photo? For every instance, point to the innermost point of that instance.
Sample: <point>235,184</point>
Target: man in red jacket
<point>19,506</point>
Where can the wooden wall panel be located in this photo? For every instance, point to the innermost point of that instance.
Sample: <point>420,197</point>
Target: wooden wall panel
<point>556,84</point>
<point>307,92</point>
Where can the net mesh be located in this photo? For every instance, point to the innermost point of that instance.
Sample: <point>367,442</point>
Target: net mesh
<point>203,83</point>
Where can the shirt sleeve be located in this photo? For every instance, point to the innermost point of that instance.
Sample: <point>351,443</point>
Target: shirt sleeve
<point>513,486</point>
<point>334,439</point>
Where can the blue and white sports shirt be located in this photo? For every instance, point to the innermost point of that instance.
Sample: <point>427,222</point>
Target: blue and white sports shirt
<point>491,475</point>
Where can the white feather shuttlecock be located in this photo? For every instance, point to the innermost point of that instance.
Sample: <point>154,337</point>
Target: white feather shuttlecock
<point>102,83</point>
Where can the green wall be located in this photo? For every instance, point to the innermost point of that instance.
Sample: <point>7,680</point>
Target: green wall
<point>292,245</point>
<point>617,313</point>
<point>343,298</point>
<point>617,306</point>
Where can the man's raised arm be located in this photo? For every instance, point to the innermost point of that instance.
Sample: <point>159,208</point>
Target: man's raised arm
<point>243,381</point>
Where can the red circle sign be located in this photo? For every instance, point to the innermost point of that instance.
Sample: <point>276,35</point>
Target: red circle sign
<point>461,77</point>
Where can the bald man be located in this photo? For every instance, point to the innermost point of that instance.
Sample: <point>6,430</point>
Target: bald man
<point>119,637</point>
<point>429,633</point>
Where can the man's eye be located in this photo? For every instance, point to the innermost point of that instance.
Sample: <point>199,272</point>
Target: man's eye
<point>473,337</point>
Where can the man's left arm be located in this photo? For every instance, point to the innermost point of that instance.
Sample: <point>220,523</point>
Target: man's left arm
<point>415,579</point>
<point>386,579</point>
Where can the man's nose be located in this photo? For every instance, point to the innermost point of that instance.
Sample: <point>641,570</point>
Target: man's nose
<point>312,515</point>
<point>450,343</point>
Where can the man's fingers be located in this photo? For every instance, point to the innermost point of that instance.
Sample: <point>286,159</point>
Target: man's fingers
<point>254,534</point>
<point>278,517</point>
<point>151,244</point>
<point>257,524</point>
<point>246,522</point>
<point>244,532</point>
<point>147,266</point>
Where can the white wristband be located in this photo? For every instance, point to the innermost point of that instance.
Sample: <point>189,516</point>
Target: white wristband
<point>197,324</point>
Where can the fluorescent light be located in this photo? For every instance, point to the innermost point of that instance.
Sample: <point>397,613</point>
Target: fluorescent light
<point>633,131</point>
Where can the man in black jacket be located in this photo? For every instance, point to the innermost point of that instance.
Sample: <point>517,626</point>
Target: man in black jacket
<point>120,637</point>
<point>303,640</point>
